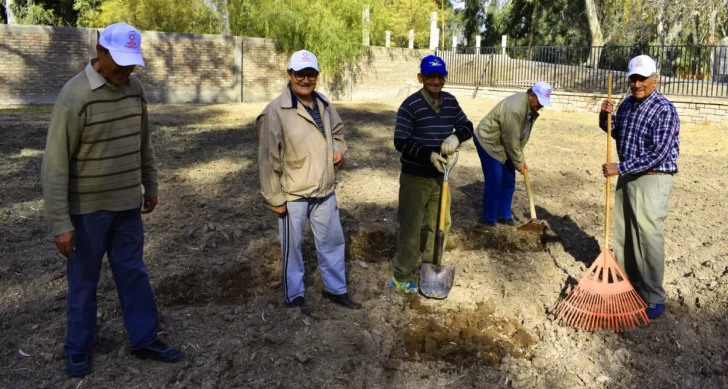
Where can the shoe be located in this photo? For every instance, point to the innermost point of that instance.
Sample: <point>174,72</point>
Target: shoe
<point>408,287</point>
<point>78,365</point>
<point>159,351</point>
<point>655,310</point>
<point>342,299</point>
<point>509,222</point>
<point>487,224</point>
<point>300,302</point>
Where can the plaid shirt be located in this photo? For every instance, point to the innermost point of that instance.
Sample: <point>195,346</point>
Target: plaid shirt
<point>647,135</point>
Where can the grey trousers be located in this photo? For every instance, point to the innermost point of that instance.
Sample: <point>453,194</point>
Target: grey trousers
<point>323,213</point>
<point>640,208</point>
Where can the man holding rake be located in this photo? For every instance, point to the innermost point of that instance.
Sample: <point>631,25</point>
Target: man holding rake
<point>646,128</point>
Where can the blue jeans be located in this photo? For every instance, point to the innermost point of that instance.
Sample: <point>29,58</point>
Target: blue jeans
<point>120,235</point>
<point>499,186</point>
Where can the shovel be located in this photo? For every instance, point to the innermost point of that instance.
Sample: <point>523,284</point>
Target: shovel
<point>435,279</point>
<point>532,225</point>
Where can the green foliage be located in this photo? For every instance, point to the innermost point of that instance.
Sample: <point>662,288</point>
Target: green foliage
<point>473,17</point>
<point>156,15</point>
<point>89,12</point>
<point>35,13</point>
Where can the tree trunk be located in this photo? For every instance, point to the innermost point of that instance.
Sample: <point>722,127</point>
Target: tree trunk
<point>10,19</point>
<point>226,17</point>
<point>533,26</point>
<point>595,30</point>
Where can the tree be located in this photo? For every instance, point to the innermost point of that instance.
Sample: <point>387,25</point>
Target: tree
<point>194,16</point>
<point>89,12</point>
<point>473,18</point>
<point>595,31</point>
<point>32,13</point>
<point>8,12</point>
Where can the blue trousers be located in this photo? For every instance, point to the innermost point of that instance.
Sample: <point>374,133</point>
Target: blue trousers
<point>120,235</point>
<point>499,186</point>
<point>329,236</point>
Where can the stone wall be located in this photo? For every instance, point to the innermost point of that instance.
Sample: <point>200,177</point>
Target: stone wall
<point>36,61</point>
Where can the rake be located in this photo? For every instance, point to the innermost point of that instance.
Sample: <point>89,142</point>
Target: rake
<point>604,299</point>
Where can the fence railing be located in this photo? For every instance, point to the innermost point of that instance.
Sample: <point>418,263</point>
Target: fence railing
<point>683,70</point>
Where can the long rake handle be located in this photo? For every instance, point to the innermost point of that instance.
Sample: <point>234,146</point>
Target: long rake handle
<point>609,159</point>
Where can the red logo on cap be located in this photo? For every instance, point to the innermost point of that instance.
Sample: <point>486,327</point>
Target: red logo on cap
<point>638,63</point>
<point>131,44</point>
<point>304,57</point>
<point>548,93</point>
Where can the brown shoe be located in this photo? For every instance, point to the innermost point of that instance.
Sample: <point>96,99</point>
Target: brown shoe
<point>342,299</point>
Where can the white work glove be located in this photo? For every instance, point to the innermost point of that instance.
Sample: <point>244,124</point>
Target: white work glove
<point>450,144</point>
<point>437,161</point>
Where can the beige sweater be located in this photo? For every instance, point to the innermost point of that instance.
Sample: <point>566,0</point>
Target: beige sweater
<point>98,152</point>
<point>295,159</point>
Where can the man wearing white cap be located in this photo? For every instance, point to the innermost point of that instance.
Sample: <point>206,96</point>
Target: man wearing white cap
<point>98,157</point>
<point>301,140</point>
<point>500,138</point>
<point>646,128</point>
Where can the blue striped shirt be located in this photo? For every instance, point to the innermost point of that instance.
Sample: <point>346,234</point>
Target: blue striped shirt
<point>419,131</point>
<point>316,115</point>
<point>647,134</point>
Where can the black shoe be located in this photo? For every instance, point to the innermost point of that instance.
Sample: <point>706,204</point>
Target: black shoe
<point>159,351</point>
<point>509,222</point>
<point>78,365</point>
<point>487,224</point>
<point>300,302</point>
<point>342,299</point>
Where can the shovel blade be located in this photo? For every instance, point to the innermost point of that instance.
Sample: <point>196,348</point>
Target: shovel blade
<point>532,226</point>
<point>436,280</point>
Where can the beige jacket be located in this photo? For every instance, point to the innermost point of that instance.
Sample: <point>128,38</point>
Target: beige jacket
<point>294,158</point>
<point>500,130</point>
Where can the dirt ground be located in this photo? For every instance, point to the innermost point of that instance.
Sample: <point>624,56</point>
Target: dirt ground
<point>213,256</point>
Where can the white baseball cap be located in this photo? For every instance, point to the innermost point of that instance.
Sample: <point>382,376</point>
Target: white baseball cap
<point>542,90</point>
<point>124,43</point>
<point>642,65</point>
<point>303,59</point>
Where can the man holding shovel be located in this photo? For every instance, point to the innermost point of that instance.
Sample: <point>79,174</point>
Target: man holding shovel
<point>646,128</point>
<point>500,138</point>
<point>430,124</point>
<point>301,139</point>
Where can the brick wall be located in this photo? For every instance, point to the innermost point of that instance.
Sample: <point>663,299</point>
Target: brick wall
<point>690,109</point>
<point>35,63</point>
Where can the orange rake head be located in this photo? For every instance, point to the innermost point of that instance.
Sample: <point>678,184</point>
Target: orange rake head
<point>604,299</point>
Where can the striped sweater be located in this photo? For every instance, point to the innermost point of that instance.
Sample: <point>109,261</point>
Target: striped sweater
<point>98,152</point>
<point>419,131</point>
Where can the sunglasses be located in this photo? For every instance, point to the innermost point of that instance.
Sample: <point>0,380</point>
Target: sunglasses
<point>311,75</point>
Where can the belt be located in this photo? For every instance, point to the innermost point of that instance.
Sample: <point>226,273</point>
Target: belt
<point>659,173</point>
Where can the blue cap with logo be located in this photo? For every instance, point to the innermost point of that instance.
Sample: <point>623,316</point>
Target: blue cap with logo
<point>433,64</point>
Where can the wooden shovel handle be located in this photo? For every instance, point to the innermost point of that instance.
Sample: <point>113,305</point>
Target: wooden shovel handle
<point>609,159</point>
<point>528,192</point>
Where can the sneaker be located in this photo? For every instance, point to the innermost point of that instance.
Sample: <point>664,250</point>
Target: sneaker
<point>300,302</point>
<point>487,224</point>
<point>342,299</point>
<point>78,365</point>
<point>408,287</point>
<point>655,310</point>
<point>159,351</point>
<point>509,222</point>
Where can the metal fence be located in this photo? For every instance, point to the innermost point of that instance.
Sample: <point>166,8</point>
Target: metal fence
<point>684,70</point>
